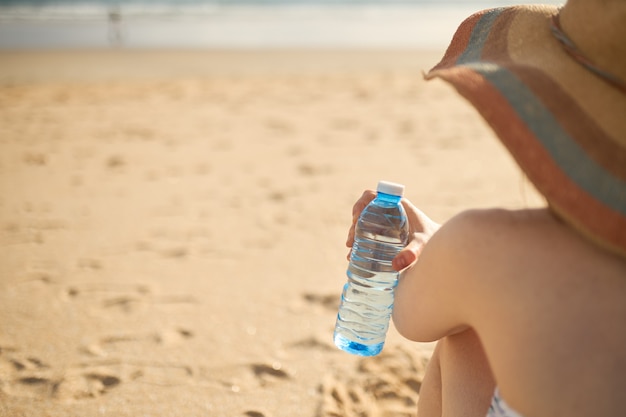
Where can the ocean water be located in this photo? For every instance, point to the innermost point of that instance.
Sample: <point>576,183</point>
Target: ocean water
<point>237,24</point>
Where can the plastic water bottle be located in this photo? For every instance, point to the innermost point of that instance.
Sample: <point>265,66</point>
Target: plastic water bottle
<point>382,230</point>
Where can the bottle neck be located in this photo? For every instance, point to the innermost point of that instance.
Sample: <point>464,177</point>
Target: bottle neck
<point>388,198</point>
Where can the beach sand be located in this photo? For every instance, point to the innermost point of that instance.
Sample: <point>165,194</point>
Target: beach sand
<point>173,225</point>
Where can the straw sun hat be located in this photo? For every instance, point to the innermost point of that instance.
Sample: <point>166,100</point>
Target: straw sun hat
<point>562,117</point>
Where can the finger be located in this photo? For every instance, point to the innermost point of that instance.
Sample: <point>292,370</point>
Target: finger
<point>413,216</point>
<point>361,203</point>
<point>407,256</point>
<point>350,240</point>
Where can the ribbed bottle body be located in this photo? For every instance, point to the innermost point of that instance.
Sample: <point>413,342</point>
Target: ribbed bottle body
<point>368,295</point>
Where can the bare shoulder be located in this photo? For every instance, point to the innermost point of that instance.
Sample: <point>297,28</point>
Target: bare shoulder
<point>519,264</point>
<point>495,224</point>
<point>536,238</point>
<point>529,257</point>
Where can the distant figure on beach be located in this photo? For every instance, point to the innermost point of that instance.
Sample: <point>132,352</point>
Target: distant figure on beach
<point>116,30</point>
<point>529,306</point>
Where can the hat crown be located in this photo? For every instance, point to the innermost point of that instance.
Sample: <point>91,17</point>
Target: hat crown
<point>563,123</point>
<point>598,29</point>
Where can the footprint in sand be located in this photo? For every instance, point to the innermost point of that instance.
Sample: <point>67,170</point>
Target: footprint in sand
<point>164,337</point>
<point>138,371</point>
<point>121,297</point>
<point>115,162</point>
<point>267,374</point>
<point>121,343</point>
<point>306,169</point>
<point>86,384</point>
<point>27,376</point>
<point>381,386</point>
<point>90,264</point>
<point>238,378</point>
<point>315,343</point>
<point>175,244</point>
<point>31,230</point>
<point>254,413</point>
<point>11,361</point>
<point>35,158</point>
<point>328,301</point>
<point>125,298</point>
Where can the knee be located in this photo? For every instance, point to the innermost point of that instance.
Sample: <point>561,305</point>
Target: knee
<point>458,379</point>
<point>464,351</point>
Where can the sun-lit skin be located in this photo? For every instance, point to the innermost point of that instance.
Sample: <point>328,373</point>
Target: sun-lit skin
<point>513,296</point>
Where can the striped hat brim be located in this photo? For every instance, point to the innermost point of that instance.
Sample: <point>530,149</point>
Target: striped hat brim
<point>564,125</point>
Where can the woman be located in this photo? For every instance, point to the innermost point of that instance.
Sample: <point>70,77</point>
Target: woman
<point>529,306</point>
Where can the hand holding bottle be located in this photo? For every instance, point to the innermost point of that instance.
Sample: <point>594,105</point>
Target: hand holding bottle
<point>421,228</point>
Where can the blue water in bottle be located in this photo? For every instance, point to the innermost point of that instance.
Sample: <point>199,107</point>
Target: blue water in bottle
<point>382,230</point>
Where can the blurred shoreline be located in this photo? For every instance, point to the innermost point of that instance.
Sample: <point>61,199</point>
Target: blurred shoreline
<point>248,27</point>
<point>421,24</point>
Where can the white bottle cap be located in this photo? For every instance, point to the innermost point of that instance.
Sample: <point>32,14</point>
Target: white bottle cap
<point>390,188</point>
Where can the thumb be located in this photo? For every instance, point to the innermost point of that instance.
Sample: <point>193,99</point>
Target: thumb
<point>406,256</point>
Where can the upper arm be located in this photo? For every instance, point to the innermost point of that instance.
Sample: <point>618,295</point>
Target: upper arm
<point>439,294</point>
